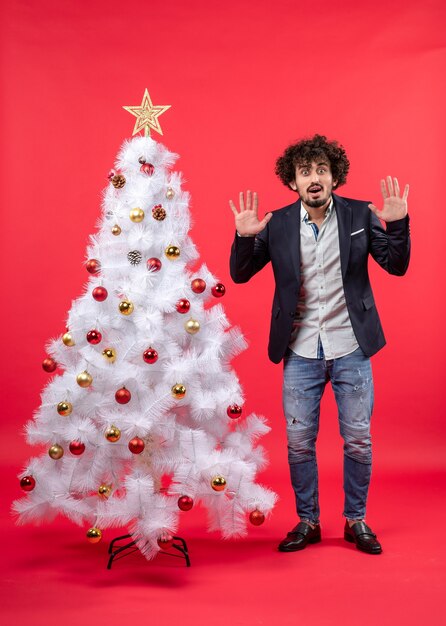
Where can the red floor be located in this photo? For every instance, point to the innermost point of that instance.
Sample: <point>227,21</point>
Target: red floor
<point>51,575</point>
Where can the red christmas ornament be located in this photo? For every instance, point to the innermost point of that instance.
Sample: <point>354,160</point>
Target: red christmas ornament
<point>136,445</point>
<point>256,518</point>
<point>165,542</point>
<point>99,294</point>
<point>93,266</point>
<point>94,337</point>
<point>218,290</point>
<point>77,448</point>
<point>147,168</point>
<point>185,503</point>
<point>110,174</point>
<point>123,395</point>
<point>49,364</point>
<point>154,264</point>
<point>234,411</point>
<point>27,483</point>
<point>150,355</point>
<point>198,285</point>
<point>183,305</point>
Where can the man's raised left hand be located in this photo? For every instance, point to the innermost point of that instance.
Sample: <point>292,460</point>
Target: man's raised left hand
<point>394,206</point>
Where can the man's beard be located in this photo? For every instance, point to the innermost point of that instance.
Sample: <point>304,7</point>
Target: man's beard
<point>315,203</point>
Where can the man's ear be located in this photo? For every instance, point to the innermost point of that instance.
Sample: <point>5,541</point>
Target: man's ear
<point>335,184</point>
<point>293,185</point>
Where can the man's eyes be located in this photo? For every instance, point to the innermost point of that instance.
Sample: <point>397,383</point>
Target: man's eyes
<point>321,170</point>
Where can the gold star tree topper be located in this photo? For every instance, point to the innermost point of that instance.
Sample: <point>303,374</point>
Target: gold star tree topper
<point>147,115</point>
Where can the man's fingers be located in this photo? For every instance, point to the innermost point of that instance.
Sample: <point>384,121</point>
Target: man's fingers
<point>384,191</point>
<point>406,193</point>
<point>248,200</point>
<point>265,220</point>
<point>242,201</point>
<point>233,208</point>
<point>252,203</point>
<point>396,187</point>
<point>390,186</point>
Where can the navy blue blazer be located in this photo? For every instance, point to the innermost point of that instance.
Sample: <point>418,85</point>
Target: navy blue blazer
<point>279,242</point>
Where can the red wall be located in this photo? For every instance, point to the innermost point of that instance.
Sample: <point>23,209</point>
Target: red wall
<point>244,79</point>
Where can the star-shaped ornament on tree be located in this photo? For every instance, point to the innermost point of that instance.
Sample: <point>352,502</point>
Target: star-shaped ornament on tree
<point>147,115</point>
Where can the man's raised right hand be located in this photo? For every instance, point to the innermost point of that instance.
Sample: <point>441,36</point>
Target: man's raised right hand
<point>247,221</point>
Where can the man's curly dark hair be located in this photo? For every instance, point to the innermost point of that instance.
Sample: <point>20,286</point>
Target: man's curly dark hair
<point>308,150</point>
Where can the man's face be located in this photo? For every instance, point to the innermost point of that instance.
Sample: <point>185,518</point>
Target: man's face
<point>314,183</point>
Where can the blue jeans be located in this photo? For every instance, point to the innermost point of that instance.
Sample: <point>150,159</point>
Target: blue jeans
<point>304,382</point>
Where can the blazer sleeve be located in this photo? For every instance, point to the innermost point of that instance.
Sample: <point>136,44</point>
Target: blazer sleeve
<point>390,246</point>
<point>249,255</point>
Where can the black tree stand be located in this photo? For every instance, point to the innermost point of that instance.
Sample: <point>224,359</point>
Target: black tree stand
<point>121,551</point>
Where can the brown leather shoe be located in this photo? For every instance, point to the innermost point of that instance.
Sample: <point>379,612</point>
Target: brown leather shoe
<point>365,540</point>
<point>300,537</point>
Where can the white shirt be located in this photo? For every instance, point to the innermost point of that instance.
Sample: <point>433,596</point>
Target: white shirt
<point>321,309</point>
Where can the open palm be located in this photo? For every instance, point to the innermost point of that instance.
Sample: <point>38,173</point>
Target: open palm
<point>394,205</point>
<point>247,221</point>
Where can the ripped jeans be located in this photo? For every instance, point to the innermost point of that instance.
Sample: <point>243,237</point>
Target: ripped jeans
<point>304,382</point>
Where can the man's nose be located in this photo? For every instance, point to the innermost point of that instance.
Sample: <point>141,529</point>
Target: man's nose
<point>314,176</point>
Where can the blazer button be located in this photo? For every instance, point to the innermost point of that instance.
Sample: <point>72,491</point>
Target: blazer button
<point>291,313</point>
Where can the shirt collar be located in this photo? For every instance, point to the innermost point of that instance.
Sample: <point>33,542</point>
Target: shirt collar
<point>304,213</point>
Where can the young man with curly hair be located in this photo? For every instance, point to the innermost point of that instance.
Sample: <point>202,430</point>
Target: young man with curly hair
<point>324,322</point>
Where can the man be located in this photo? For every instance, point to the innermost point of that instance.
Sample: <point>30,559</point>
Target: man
<point>324,322</point>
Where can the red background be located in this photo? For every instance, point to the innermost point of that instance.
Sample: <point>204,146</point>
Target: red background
<point>244,79</point>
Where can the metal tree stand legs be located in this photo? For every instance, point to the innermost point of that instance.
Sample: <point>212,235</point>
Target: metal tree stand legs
<point>120,551</point>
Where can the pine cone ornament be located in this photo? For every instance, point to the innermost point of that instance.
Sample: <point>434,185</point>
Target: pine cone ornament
<point>118,181</point>
<point>134,256</point>
<point>159,212</point>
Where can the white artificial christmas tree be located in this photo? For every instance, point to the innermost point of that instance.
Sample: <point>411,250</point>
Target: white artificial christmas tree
<point>145,418</point>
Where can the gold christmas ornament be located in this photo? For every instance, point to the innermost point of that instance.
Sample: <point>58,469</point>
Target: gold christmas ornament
<point>218,483</point>
<point>192,326</point>
<point>178,391</point>
<point>56,451</point>
<point>147,115</point>
<point>112,434</point>
<point>94,535</point>
<point>109,354</point>
<point>118,181</point>
<point>126,307</point>
<point>84,379</point>
<point>64,408</point>
<point>172,252</point>
<point>170,193</point>
<point>104,491</point>
<point>116,230</point>
<point>68,339</point>
<point>136,215</point>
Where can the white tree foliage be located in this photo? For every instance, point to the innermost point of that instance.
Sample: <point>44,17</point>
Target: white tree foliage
<point>188,441</point>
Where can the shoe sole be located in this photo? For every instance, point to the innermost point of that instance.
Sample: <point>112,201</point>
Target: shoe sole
<point>350,539</point>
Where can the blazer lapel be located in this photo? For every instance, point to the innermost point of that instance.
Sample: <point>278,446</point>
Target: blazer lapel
<point>344,215</point>
<point>291,224</point>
